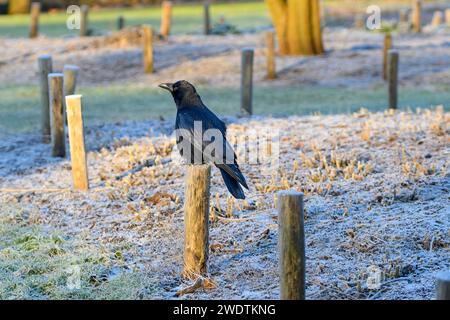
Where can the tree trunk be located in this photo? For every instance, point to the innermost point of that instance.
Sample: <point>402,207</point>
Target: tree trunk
<point>297,24</point>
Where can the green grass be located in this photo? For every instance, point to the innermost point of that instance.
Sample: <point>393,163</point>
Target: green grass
<point>38,262</point>
<point>20,110</point>
<point>186,19</point>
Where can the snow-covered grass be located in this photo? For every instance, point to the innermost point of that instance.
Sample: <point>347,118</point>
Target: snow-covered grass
<point>376,188</point>
<point>39,262</point>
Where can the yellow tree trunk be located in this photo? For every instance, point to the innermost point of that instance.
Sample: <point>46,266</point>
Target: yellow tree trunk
<point>297,24</point>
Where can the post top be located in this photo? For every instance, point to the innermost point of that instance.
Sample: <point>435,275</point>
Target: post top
<point>55,75</point>
<point>290,193</point>
<point>71,67</point>
<point>443,275</point>
<point>393,51</point>
<point>247,49</point>
<point>44,57</point>
<point>74,96</point>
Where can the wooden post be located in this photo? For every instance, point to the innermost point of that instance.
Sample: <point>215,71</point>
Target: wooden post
<point>70,79</point>
<point>271,69</point>
<point>120,22</point>
<point>196,220</point>
<point>76,142</point>
<point>443,285</point>
<point>403,16</point>
<point>148,48</point>
<point>447,17</point>
<point>387,46</point>
<point>393,57</point>
<point>35,12</point>
<point>84,20</point>
<point>291,245</point>
<point>45,67</point>
<point>437,19</point>
<point>55,83</point>
<point>206,19</point>
<point>360,21</point>
<point>417,16</point>
<point>166,18</point>
<point>247,81</point>
<point>70,83</point>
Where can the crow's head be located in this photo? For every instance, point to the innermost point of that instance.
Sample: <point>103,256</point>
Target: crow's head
<point>183,93</point>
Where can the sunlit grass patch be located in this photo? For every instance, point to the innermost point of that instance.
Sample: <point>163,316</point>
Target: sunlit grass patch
<point>39,262</point>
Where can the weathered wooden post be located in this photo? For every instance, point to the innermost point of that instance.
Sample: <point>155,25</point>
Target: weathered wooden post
<point>120,22</point>
<point>70,79</point>
<point>443,285</point>
<point>360,21</point>
<point>35,12</point>
<point>447,17</point>
<point>387,46</point>
<point>393,57</point>
<point>291,245</point>
<point>437,19</point>
<point>148,48</point>
<point>196,221</point>
<point>166,18</point>
<point>403,16</point>
<point>45,68</point>
<point>271,68</point>
<point>76,142</point>
<point>84,20</point>
<point>247,81</point>
<point>206,19</point>
<point>417,16</point>
<point>70,83</point>
<point>55,83</point>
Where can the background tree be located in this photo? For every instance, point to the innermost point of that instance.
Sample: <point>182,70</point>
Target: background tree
<point>297,24</point>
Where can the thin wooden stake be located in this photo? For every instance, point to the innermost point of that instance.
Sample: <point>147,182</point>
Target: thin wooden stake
<point>196,221</point>
<point>166,18</point>
<point>387,46</point>
<point>360,21</point>
<point>393,58</point>
<point>437,19</point>
<point>447,17</point>
<point>291,245</point>
<point>35,12</point>
<point>271,68</point>
<point>120,22</point>
<point>76,141</point>
<point>55,83</point>
<point>70,83</point>
<point>247,81</point>
<point>45,68</point>
<point>84,20</point>
<point>70,79</point>
<point>417,16</point>
<point>443,285</point>
<point>148,48</point>
<point>206,19</point>
<point>403,16</point>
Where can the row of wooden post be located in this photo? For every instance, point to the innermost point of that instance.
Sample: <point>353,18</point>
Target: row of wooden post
<point>291,237</point>
<point>35,11</point>
<point>59,102</point>
<point>291,233</point>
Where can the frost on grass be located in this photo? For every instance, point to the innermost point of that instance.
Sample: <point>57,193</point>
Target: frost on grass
<point>376,189</point>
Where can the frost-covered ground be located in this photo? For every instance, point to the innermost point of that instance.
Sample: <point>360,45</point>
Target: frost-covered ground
<point>376,190</point>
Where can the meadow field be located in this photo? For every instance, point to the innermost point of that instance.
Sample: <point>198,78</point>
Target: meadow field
<point>376,181</point>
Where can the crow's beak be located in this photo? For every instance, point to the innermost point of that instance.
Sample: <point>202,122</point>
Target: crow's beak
<point>167,86</point>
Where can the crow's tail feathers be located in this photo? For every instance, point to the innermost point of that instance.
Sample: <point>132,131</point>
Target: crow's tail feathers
<point>233,186</point>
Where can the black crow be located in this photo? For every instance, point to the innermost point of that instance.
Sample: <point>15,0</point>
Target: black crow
<point>192,112</point>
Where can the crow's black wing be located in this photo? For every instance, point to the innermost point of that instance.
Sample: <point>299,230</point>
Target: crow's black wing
<point>185,120</point>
